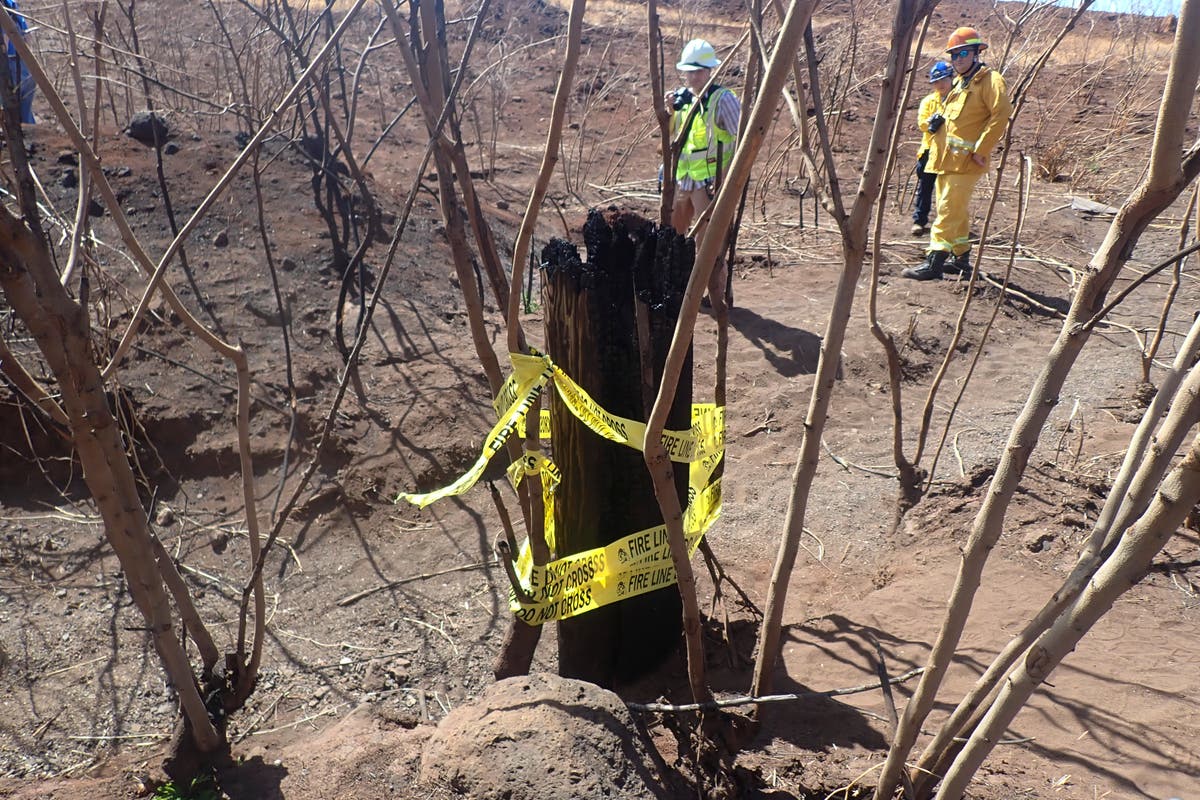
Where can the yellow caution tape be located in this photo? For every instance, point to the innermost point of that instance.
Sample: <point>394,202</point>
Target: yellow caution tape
<point>527,370</point>
<point>638,563</point>
<point>535,462</point>
<point>705,437</point>
<point>705,440</point>
<point>633,565</point>
<point>528,385</point>
<point>701,441</point>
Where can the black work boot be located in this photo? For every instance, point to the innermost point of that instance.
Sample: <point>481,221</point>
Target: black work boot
<point>931,270</point>
<point>960,265</point>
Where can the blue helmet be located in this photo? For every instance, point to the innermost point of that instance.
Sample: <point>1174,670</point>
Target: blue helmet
<point>940,70</point>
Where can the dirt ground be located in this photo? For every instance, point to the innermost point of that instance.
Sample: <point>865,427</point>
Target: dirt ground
<point>384,618</point>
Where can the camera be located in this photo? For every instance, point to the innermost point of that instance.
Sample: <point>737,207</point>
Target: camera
<point>681,97</point>
<point>935,122</point>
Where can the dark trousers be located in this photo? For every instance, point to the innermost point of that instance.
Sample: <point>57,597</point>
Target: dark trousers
<point>925,182</point>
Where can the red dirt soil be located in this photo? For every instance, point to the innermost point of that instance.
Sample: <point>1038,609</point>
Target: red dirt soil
<point>351,689</point>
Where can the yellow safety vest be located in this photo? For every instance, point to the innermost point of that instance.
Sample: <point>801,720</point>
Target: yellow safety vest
<point>698,160</point>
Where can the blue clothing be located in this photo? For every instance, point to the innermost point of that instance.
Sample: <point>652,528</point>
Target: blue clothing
<point>21,79</point>
<point>924,202</point>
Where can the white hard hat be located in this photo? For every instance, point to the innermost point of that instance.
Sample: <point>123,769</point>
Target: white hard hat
<point>697,54</point>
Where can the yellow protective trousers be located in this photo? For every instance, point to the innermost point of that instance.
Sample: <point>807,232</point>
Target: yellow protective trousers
<point>952,227</point>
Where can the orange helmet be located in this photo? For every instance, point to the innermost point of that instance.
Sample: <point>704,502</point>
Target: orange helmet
<point>965,37</point>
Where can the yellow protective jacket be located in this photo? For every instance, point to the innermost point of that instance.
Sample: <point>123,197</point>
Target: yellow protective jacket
<point>976,111</point>
<point>931,104</point>
<point>698,160</point>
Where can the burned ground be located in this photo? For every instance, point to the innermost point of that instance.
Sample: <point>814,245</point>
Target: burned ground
<point>384,618</point>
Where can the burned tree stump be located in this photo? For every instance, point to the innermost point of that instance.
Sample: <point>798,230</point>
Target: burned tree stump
<point>633,280</point>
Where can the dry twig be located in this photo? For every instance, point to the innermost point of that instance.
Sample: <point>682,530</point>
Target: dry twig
<point>732,702</point>
<point>350,600</point>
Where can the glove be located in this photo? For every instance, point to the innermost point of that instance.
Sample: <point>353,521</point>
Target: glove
<point>681,97</point>
<point>936,122</point>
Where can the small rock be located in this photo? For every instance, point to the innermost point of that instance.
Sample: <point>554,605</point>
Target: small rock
<point>288,265</point>
<point>221,239</point>
<point>375,679</point>
<point>95,208</point>
<point>171,148</point>
<point>1037,541</point>
<point>148,128</point>
<point>68,157</point>
<point>69,179</point>
<point>165,518</point>
<point>399,717</point>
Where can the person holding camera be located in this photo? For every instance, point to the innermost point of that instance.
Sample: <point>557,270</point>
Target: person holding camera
<point>976,111</point>
<point>708,144</point>
<point>929,120</point>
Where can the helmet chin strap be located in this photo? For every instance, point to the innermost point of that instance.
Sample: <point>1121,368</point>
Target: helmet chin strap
<point>966,77</point>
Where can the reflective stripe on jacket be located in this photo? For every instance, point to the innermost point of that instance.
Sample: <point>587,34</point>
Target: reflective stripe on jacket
<point>698,160</point>
<point>976,115</point>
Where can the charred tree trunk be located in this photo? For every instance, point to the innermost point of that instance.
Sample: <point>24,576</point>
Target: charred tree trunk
<point>633,269</point>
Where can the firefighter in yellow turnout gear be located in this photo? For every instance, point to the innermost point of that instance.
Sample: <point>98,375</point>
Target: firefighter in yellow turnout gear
<point>976,112</point>
<point>930,117</point>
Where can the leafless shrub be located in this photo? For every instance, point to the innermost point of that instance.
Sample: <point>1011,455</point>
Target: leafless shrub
<point>188,80</point>
<point>1054,161</point>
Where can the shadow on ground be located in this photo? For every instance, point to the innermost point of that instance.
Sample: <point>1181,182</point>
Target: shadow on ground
<point>790,351</point>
